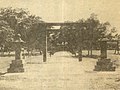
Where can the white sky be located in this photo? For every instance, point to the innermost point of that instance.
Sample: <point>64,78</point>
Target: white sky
<point>62,10</point>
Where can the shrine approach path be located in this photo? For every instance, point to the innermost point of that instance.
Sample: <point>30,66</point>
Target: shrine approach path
<point>62,71</point>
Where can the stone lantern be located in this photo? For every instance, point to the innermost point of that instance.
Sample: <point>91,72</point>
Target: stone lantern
<point>17,66</point>
<point>104,64</point>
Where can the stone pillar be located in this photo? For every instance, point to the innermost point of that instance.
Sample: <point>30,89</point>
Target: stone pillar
<point>103,45</point>
<point>104,64</point>
<point>16,66</point>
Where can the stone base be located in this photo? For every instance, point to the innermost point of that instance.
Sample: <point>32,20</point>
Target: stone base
<point>104,65</point>
<point>16,66</point>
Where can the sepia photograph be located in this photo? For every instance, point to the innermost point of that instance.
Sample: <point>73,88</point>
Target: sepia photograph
<point>59,44</point>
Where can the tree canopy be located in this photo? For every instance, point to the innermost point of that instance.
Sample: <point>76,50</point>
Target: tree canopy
<point>20,21</point>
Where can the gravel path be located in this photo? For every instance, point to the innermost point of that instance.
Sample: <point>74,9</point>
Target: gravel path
<point>60,72</point>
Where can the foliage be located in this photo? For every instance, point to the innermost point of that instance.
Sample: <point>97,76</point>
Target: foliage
<point>87,32</point>
<point>18,21</point>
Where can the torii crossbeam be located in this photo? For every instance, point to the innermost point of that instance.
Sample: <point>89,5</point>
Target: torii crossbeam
<point>46,25</point>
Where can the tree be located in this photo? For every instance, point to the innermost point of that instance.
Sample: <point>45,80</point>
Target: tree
<point>88,32</point>
<point>19,21</point>
<point>92,24</point>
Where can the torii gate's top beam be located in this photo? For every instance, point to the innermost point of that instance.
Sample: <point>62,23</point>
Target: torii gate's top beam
<point>60,24</point>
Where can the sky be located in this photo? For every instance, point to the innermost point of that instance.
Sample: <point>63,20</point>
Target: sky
<point>72,10</point>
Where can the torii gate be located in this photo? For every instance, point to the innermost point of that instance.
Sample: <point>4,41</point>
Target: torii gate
<point>46,25</point>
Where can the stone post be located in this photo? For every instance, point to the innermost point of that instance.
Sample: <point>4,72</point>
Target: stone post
<point>17,66</point>
<point>103,45</point>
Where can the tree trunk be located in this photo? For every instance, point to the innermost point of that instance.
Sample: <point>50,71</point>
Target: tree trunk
<point>88,52</point>
<point>28,50</point>
<point>2,52</point>
<point>80,53</point>
<point>75,54</point>
<point>91,49</point>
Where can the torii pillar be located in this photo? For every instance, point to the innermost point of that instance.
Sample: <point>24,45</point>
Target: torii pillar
<point>45,47</point>
<point>80,40</point>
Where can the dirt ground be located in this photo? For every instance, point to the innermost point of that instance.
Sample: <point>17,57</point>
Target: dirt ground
<point>60,72</point>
